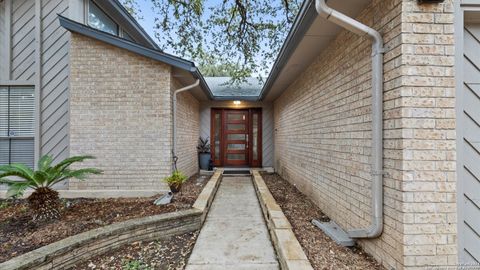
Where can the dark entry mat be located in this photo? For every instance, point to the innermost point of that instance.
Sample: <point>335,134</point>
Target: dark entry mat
<point>242,172</point>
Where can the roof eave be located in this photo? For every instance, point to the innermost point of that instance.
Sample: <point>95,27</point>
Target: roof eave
<point>241,98</point>
<point>133,22</point>
<point>303,21</point>
<point>203,83</point>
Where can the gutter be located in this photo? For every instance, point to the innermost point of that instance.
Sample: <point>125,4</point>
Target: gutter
<point>376,227</point>
<point>174,149</point>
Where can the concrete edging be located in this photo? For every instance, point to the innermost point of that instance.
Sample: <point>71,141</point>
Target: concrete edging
<point>204,200</point>
<point>78,248</point>
<point>289,251</point>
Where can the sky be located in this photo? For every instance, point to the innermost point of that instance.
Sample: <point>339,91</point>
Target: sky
<point>148,23</point>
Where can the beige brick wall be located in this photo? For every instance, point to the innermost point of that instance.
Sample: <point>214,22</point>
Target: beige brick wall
<point>188,130</point>
<point>428,134</point>
<point>120,112</point>
<point>323,124</point>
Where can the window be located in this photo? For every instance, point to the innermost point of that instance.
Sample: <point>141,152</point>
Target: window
<point>17,121</point>
<point>99,20</point>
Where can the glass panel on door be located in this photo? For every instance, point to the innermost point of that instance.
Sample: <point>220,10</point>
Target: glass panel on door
<point>217,134</point>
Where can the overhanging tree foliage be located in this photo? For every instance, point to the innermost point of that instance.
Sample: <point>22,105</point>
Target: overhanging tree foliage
<point>244,34</point>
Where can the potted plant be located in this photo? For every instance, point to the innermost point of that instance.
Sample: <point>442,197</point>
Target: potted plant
<point>44,200</point>
<point>203,148</point>
<point>175,181</point>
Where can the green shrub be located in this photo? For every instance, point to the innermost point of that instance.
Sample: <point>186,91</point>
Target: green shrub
<point>44,200</point>
<point>175,180</point>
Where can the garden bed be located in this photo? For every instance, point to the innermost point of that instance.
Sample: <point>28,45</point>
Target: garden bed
<point>322,252</point>
<point>171,253</point>
<point>18,234</point>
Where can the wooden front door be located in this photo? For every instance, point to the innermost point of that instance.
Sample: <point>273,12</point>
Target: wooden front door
<point>236,137</point>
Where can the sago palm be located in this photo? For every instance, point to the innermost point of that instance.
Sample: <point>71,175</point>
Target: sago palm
<point>44,200</point>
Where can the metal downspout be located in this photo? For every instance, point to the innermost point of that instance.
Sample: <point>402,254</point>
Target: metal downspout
<point>354,26</point>
<point>174,148</point>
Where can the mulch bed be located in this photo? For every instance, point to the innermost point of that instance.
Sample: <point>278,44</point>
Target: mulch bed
<point>19,234</point>
<point>171,253</point>
<point>321,250</point>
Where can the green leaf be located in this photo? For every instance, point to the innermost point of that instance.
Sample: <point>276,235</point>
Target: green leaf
<point>69,161</point>
<point>45,176</point>
<point>45,162</point>
<point>22,169</point>
<point>41,177</point>
<point>80,174</point>
<point>15,172</point>
<point>6,181</point>
<point>17,189</point>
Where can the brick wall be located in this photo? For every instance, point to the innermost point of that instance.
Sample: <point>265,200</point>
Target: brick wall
<point>120,108</point>
<point>428,134</point>
<point>188,130</point>
<point>323,137</point>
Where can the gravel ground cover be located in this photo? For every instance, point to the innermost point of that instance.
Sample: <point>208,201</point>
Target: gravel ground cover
<point>19,234</point>
<point>322,251</point>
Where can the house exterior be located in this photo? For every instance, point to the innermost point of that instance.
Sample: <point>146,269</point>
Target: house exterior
<point>91,81</point>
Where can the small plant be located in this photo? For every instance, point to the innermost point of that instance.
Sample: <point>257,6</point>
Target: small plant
<point>4,204</point>
<point>203,145</point>
<point>134,265</point>
<point>175,181</point>
<point>44,201</point>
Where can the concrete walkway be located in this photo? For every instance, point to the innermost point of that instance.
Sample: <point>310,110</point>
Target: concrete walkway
<point>234,235</point>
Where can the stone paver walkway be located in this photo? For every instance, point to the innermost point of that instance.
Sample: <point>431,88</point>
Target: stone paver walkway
<point>234,235</point>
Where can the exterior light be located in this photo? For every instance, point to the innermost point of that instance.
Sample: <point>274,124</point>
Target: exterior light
<point>237,102</point>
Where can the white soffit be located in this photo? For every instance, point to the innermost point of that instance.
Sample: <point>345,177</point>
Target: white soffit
<point>317,38</point>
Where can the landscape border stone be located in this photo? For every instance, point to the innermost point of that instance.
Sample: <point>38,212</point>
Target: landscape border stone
<point>75,249</point>
<point>289,251</point>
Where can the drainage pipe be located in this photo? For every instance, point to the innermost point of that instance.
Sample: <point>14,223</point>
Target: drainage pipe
<point>356,27</point>
<point>174,148</point>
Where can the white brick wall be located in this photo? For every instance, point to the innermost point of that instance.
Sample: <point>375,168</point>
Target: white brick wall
<point>323,122</point>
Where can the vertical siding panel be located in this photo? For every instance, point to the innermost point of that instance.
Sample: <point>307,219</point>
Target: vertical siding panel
<point>470,154</point>
<point>54,79</point>
<point>4,42</point>
<point>23,40</point>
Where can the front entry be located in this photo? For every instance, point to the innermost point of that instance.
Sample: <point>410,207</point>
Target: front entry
<point>236,137</point>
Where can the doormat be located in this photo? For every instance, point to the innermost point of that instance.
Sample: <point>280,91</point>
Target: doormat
<point>234,172</point>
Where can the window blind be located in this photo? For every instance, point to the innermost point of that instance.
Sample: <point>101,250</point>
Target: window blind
<point>17,125</point>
